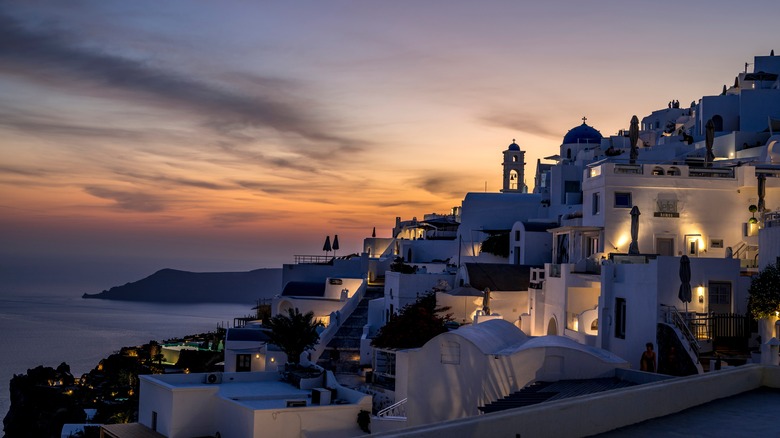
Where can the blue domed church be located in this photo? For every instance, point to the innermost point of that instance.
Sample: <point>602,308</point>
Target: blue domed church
<point>579,138</point>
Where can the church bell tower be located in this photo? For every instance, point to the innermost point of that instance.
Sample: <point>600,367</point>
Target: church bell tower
<point>514,170</point>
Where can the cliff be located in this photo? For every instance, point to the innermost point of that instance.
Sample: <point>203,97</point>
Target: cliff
<point>172,286</point>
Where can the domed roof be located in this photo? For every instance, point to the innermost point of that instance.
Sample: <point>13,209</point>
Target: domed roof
<point>582,134</point>
<point>513,146</point>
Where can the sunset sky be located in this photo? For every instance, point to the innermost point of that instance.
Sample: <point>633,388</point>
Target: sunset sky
<point>231,135</point>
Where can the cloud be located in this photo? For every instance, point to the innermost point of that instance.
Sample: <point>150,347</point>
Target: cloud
<point>172,181</point>
<point>239,217</point>
<point>32,123</point>
<point>521,121</point>
<point>53,56</point>
<point>446,184</point>
<point>21,171</point>
<point>127,200</point>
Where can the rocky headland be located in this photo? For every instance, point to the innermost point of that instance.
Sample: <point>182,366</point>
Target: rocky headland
<point>174,286</point>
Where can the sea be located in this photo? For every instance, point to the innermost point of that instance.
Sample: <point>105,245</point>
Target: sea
<point>48,330</point>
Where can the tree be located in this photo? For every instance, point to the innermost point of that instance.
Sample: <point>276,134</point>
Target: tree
<point>416,324</point>
<point>764,300</point>
<point>294,333</point>
<point>497,244</point>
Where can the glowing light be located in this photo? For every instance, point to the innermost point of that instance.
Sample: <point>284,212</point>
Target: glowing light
<point>257,356</point>
<point>273,359</point>
<point>624,239</point>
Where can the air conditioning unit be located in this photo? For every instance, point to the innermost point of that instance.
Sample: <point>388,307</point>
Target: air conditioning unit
<point>213,378</point>
<point>320,396</point>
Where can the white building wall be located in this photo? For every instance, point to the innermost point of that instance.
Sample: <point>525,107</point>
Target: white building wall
<point>355,267</point>
<point>424,251</point>
<point>699,202</point>
<point>726,106</point>
<point>756,106</point>
<point>402,289</point>
<point>769,244</point>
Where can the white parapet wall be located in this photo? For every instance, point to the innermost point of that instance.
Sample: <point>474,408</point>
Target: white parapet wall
<point>602,412</point>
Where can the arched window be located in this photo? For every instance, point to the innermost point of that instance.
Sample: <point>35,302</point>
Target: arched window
<point>568,154</point>
<point>673,171</point>
<point>717,120</point>
<point>552,327</point>
<point>658,170</point>
<point>513,179</point>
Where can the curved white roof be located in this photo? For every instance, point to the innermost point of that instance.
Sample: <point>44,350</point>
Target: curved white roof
<point>561,342</point>
<point>492,336</point>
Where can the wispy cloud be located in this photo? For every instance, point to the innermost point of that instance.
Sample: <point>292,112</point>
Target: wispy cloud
<point>129,200</point>
<point>535,124</point>
<point>232,218</point>
<point>40,124</point>
<point>169,181</point>
<point>445,184</point>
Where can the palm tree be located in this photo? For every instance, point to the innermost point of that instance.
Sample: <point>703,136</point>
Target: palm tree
<point>294,333</point>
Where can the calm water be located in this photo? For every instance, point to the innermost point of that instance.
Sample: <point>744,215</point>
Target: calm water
<point>48,330</point>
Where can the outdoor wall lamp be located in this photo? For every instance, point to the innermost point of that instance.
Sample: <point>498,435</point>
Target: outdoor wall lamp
<point>700,290</point>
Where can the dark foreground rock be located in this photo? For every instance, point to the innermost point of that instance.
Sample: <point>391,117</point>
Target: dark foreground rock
<point>45,398</point>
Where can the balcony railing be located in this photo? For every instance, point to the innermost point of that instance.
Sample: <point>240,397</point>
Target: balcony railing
<point>772,219</point>
<point>704,172</point>
<point>312,259</point>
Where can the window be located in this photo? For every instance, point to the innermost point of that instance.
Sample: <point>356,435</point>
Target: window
<point>716,243</point>
<point>154,421</point>
<point>596,203</point>
<point>719,296</point>
<point>593,245</point>
<point>243,363</point>
<point>623,200</point>
<point>620,318</point>
<point>517,235</point>
<point>658,170</point>
<point>450,353</point>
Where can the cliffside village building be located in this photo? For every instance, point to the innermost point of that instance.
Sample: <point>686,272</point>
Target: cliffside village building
<point>579,275</point>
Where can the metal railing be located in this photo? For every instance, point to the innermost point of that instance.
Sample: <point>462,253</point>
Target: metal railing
<point>674,318</point>
<point>312,259</point>
<point>395,411</point>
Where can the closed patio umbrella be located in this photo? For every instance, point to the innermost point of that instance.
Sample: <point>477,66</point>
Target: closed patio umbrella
<point>633,137</point>
<point>326,247</point>
<point>761,193</point>
<point>709,140</point>
<point>685,294</point>
<point>633,248</point>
